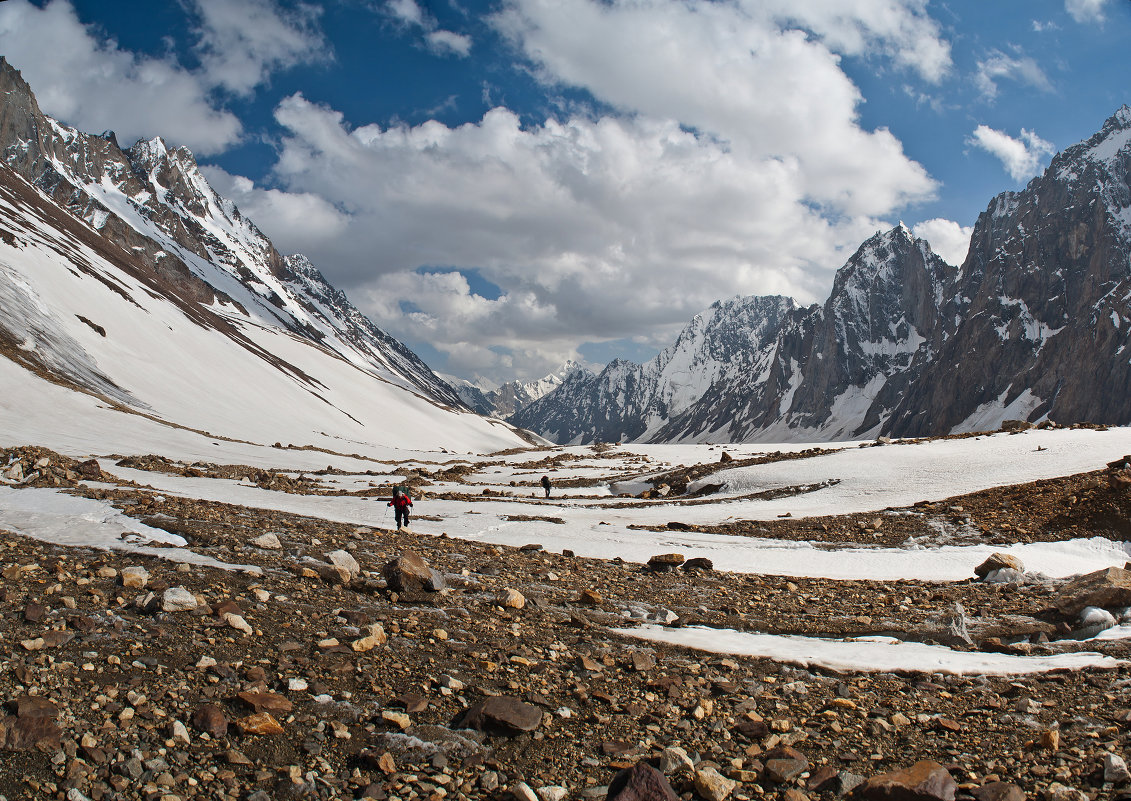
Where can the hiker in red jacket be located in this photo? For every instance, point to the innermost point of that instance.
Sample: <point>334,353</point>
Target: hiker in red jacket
<point>401,503</point>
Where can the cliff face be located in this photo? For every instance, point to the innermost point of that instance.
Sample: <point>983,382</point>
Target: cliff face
<point>1034,324</point>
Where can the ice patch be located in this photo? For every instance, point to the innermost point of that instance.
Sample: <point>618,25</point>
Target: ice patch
<point>882,654</point>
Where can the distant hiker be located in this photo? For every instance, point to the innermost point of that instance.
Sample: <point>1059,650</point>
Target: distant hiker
<point>401,503</point>
<point>546,485</point>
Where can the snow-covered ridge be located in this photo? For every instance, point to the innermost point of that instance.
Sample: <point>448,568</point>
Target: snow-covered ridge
<point>127,276</point>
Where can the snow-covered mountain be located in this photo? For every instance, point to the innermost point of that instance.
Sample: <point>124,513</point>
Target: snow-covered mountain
<point>513,396</point>
<point>1033,325</point>
<point>122,273</point>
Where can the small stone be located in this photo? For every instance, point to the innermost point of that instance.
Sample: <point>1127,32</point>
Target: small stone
<point>926,780</point>
<point>665,561</point>
<point>180,732</point>
<point>259,723</point>
<point>269,702</point>
<point>998,791</point>
<point>710,784</point>
<point>589,598</point>
<point>1115,769</point>
<point>398,719</point>
<point>135,577</point>
<point>178,599</point>
<point>641,782</point>
<point>212,719</point>
<point>238,623</point>
<point>553,793</point>
<point>268,542</point>
<point>501,715</point>
<point>999,561</point>
<point>346,561</point>
<point>521,791</point>
<point>410,573</point>
<point>511,599</point>
<point>375,636</point>
<point>1050,740</point>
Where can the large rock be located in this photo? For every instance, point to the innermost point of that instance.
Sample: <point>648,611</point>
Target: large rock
<point>178,599</point>
<point>345,560</point>
<point>999,561</point>
<point>641,782</point>
<point>410,573</point>
<point>666,561</point>
<point>712,785</point>
<point>999,791</point>
<point>501,715</point>
<point>924,781</point>
<point>1109,588</point>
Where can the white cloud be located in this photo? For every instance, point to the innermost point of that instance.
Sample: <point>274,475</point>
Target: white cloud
<point>88,81</point>
<point>731,72</point>
<point>595,229</point>
<point>407,12</point>
<point>439,41</point>
<point>899,29</point>
<point>241,42</point>
<point>1020,68</point>
<point>1086,10</point>
<point>94,85</point>
<point>448,43</point>
<point>948,239</point>
<point>1021,157</point>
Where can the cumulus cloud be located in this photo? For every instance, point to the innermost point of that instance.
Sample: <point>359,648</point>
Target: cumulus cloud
<point>1021,157</point>
<point>90,82</point>
<point>1086,10</point>
<point>95,85</point>
<point>594,228</point>
<point>439,41</point>
<point>729,70</point>
<point>1020,68</point>
<point>899,29</point>
<point>241,42</point>
<point>947,238</point>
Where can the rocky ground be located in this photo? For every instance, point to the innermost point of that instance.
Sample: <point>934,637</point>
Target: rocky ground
<point>342,666</point>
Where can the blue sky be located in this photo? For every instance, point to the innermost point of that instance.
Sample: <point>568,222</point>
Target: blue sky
<point>511,183</point>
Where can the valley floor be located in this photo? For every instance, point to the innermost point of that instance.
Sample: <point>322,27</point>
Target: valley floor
<point>835,625</point>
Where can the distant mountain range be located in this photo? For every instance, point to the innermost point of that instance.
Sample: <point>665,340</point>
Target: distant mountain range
<point>124,276</point>
<point>1035,324</point>
<point>513,396</point>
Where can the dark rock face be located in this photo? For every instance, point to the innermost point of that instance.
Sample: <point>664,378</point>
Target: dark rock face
<point>1031,326</point>
<point>174,213</point>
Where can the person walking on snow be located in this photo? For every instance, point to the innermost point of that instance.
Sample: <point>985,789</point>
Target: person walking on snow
<point>546,485</point>
<point>401,503</point>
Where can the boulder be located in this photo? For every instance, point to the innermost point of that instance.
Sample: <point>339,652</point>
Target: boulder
<point>178,599</point>
<point>999,561</point>
<point>924,781</point>
<point>410,573</point>
<point>345,560</point>
<point>999,791</point>
<point>712,785</point>
<point>268,542</point>
<point>662,562</point>
<point>511,599</point>
<point>641,782</point>
<point>212,719</point>
<point>134,577</point>
<point>699,563</point>
<point>501,714</point>
<point>1108,588</point>
<point>259,723</point>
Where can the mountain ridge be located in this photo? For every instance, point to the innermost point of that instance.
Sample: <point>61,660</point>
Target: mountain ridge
<point>1032,325</point>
